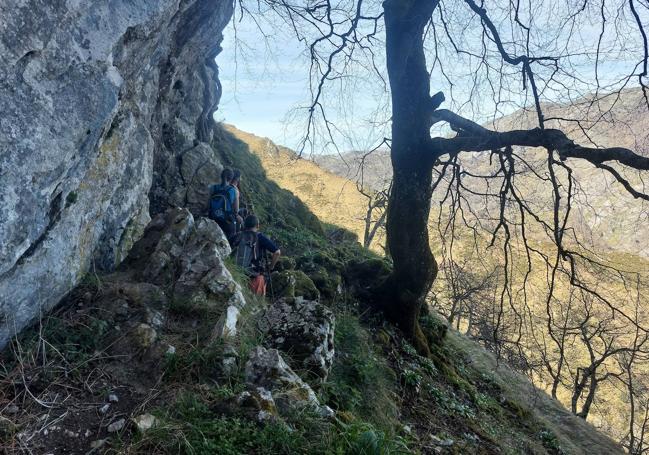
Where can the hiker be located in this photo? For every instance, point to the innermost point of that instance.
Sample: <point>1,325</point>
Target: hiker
<point>224,204</point>
<point>236,179</point>
<point>243,211</point>
<point>250,247</point>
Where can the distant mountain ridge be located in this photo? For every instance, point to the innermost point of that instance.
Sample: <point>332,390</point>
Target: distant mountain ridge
<point>612,120</point>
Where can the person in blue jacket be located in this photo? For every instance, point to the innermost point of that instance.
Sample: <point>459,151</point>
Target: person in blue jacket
<point>224,204</point>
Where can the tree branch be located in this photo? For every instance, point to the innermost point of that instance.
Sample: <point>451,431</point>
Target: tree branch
<point>475,138</point>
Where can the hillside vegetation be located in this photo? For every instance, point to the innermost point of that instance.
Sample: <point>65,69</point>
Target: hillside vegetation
<point>148,344</point>
<point>508,311</point>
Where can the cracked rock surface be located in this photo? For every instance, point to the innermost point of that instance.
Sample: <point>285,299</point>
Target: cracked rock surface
<point>107,118</point>
<point>305,330</point>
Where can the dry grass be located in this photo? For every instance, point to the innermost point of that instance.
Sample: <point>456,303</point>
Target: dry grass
<point>331,198</point>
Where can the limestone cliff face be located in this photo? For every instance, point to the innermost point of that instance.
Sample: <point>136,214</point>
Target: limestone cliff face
<point>106,114</point>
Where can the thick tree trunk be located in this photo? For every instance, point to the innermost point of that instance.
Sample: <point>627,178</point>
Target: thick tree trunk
<point>412,161</point>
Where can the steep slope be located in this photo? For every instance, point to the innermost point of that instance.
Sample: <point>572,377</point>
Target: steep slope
<point>483,307</point>
<point>99,103</point>
<point>331,198</point>
<point>171,354</point>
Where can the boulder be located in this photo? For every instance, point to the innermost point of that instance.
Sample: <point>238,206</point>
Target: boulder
<point>290,284</point>
<point>304,329</point>
<point>329,283</point>
<point>187,256</point>
<point>199,168</point>
<point>364,276</point>
<point>259,402</point>
<point>285,263</point>
<point>325,272</point>
<point>266,368</point>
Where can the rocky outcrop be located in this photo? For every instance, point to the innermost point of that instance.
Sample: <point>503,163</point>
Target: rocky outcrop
<point>305,330</point>
<point>267,369</point>
<point>107,112</point>
<point>289,284</point>
<point>186,258</point>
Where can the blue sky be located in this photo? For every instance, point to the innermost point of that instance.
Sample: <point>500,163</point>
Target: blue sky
<point>264,81</point>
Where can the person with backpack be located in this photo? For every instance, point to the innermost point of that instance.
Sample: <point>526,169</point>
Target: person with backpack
<point>243,211</point>
<point>250,247</point>
<point>224,204</point>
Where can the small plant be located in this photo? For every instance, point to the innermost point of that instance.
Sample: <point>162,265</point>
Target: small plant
<point>550,442</point>
<point>462,410</point>
<point>428,366</point>
<point>436,394</point>
<point>408,349</point>
<point>71,198</point>
<point>411,379</point>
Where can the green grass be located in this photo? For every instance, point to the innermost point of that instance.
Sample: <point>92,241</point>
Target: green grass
<point>195,425</point>
<point>361,382</point>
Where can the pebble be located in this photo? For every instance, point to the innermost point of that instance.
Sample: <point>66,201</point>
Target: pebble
<point>98,443</point>
<point>104,408</point>
<point>171,350</point>
<point>113,398</point>
<point>441,442</point>
<point>145,422</point>
<point>116,425</point>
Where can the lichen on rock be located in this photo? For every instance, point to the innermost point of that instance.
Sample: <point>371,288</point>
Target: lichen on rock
<point>305,330</point>
<point>266,368</point>
<point>107,118</point>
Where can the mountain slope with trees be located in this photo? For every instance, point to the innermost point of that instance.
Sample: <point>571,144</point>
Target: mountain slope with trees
<point>139,361</point>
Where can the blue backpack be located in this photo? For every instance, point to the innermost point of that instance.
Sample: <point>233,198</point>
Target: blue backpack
<point>221,200</point>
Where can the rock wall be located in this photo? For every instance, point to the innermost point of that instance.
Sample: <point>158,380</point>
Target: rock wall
<point>107,108</point>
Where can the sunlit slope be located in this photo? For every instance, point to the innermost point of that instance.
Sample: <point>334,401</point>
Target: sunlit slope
<point>604,215</point>
<point>332,198</point>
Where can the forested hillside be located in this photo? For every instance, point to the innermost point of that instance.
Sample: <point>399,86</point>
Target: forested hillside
<point>530,333</point>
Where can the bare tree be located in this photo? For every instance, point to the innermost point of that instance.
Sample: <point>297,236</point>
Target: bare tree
<point>512,53</point>
<point>376,213</point>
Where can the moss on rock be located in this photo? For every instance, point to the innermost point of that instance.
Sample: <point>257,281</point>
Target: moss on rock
<point>290,284</point>
<point>285,263</point>
<point>366,275</point>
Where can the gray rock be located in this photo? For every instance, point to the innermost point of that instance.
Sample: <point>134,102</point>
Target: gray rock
<point>145,422</point>
<point>226,327</point>
<point>267,369</point>
<point>98,444</point>
<point>188,255</point>
<point>199,168</point>
<point>305,330</point>
<point>107,109</point>
<point>260,401</point>
<point>116,426</point>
